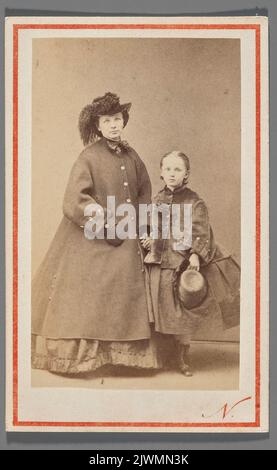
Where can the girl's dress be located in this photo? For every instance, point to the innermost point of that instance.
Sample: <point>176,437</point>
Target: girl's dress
<point>89,301</point>
<point>165,265</point>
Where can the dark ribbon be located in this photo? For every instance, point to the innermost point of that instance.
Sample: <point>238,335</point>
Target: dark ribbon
<point>118,146</point>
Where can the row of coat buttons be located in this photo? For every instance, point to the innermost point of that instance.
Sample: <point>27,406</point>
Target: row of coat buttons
<point>125,182</point>
<point>198,238</point>
<point>52,286</point>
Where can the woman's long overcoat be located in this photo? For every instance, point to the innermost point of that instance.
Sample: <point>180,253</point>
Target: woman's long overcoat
<point>90,288</point>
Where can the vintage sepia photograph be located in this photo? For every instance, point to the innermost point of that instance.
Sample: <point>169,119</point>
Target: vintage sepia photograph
<point>134,167</point>
<point>98,302</point>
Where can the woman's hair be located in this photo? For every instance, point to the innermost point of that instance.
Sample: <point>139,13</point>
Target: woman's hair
<point>88,125</point>
<point>183,156</point>
<point>103,105</point>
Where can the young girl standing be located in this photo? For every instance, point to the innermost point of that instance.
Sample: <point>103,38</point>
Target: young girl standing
<point>167,261</point>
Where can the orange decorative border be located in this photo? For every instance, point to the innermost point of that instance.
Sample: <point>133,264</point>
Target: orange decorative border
<point>16,29</point>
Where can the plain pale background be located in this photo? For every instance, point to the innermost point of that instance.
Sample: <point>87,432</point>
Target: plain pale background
<point>185,95</point>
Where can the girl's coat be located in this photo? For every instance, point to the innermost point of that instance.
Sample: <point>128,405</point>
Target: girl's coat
<point>220,270</point>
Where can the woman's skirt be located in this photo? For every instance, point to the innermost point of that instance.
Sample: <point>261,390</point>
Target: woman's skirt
<point>75,356</point>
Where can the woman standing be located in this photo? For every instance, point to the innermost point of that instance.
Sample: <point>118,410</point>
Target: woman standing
<point>89,305</point>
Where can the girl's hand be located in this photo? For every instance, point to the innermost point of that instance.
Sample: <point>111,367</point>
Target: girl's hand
<point>146,243</point>
<point>194,262</point>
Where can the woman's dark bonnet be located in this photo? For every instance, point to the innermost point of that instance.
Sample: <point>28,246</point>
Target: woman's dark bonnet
<point>108,104</point>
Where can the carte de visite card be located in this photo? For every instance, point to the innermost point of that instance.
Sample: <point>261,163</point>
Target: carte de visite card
<point>117,320</point>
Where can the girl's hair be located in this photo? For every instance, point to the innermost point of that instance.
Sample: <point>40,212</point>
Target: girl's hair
<point>183,156</point>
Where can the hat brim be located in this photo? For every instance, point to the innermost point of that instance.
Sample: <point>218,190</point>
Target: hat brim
<point>119,109</point>
<point>126,106</point>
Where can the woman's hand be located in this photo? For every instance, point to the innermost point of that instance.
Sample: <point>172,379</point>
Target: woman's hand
<point>146,243</point>
<point>194,262</point>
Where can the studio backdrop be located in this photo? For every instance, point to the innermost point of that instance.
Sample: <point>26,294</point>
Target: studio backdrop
<point>185,95</point>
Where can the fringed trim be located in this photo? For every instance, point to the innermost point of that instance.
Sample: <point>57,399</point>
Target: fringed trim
<point>111,357</point>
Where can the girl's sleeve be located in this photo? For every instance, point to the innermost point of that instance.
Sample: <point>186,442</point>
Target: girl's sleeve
<point>202,237</point>
<point>78,193</point>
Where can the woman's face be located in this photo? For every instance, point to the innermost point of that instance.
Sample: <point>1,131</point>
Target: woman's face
<point>111,126</point>
<point>173,171</point>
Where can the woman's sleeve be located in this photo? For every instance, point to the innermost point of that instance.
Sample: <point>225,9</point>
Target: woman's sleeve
<point>144,194</point>
<point>144,184</point>
<point>202,238</point>
<point>78,193</point>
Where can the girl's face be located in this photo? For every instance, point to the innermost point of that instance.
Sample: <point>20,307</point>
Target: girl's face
<point>111,126</point>
<point>173,171</point>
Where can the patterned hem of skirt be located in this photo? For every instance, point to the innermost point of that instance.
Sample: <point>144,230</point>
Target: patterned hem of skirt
<point>79,356</point>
